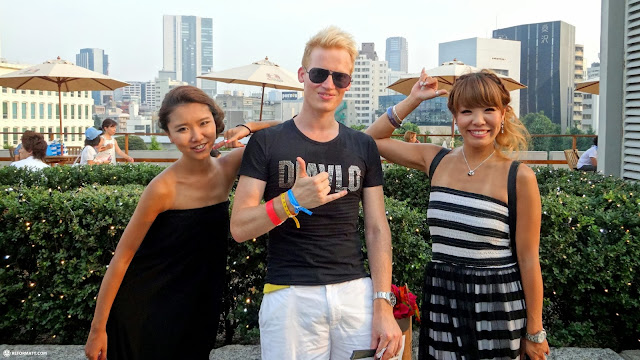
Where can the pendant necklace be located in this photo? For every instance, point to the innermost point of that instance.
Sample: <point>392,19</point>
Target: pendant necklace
<point>472,172</point>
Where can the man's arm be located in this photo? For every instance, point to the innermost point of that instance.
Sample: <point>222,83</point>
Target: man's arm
<point>249,218</point>
<point>385,332</point>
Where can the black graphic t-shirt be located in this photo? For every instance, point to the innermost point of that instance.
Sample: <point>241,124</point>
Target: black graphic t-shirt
<point>327,248</point>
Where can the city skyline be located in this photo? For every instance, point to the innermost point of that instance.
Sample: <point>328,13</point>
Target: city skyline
<point>246,31</point>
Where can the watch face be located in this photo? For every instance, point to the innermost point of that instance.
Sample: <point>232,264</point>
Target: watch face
<point>392,298</point>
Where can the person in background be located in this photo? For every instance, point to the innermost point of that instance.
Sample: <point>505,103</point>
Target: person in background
<point>411,137</point>
<point>483,288</point>
<point>589,159</point>
<point>32,151</point>
<point>110,146</point>
<point>89,154</point>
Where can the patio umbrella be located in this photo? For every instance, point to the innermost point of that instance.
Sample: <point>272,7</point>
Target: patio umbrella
<point>591,86</point>
<point>447,74</point>
<point>59,75</point>
<point>260,73</point>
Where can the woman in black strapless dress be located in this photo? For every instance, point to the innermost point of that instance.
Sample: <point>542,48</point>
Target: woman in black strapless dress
<point>160,297</point>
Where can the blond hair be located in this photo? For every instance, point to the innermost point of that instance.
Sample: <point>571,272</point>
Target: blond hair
<point>331,38</point>
<point>484,89</point>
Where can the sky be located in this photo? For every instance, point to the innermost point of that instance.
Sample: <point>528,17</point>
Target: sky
<point>130,32</point>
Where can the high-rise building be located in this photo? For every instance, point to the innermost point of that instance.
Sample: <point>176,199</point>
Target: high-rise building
<point>188,50</point>
<point>370,80</point>
<point>590,102</point>
<point>397,54</point>
<point>369,50</point>
<point>95,60</point>
<point>578,76</point>
<point>547,67</point>
<point>500,56</point>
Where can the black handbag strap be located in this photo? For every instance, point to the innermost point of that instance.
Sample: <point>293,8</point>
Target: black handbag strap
<point>512,204</point>
<point>436,160</point>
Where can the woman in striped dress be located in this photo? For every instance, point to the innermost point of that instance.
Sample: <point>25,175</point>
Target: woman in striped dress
<point>483,288</point>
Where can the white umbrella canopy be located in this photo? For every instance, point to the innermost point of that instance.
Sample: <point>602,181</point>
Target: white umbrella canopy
<point>590,86</point>
<point>59,75</point>
<point>447,74</point>
<point>259,73</point>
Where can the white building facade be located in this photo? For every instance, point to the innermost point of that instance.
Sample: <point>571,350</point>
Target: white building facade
<point>39,111</point>
<point>500,56</point>
<point>370,80</point>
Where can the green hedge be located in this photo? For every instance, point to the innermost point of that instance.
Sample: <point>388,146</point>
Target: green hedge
<point>54,246</point>
<point>72,177</point>
<point>589,253</point>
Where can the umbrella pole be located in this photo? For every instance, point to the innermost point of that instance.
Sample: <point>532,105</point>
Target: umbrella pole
<point>60,117</point>
<point>261,102</point>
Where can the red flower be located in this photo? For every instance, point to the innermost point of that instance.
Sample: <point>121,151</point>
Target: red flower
<point>405,303</point>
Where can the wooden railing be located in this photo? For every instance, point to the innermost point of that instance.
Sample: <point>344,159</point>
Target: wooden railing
<point>421,137</point>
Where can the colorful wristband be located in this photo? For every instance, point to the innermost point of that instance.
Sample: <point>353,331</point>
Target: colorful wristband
<point>295,204</point>
<point>283,198</point>
<point>392,119</point>
<point>271,211</point>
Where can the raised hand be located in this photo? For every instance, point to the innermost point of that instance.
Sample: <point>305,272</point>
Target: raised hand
<point>313,191</point>
<point>426,87</point>
<point>232,137</point>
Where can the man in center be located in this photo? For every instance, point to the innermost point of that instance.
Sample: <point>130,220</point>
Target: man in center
<point>313,172</point>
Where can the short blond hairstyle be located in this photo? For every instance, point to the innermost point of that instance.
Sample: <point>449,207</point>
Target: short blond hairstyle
<point>331,38</point>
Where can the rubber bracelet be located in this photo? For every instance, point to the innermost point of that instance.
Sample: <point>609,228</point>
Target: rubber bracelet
<point>243,125</point>
<point>271,211</point>
<point>283,198</point>
<point>295,204</point>
<point>392,120</point>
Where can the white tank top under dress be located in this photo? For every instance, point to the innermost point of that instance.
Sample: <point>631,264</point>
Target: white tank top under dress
<point>473,304</point>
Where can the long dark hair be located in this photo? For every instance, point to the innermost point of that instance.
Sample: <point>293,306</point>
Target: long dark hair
<point>108,123</point>
<point>188,95</point>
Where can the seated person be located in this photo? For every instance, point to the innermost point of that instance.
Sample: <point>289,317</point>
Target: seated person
<point>32,151</point>
<point>92,142</point>
<point>589,159</point>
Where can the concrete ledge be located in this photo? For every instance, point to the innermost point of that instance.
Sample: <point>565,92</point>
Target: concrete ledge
<point>252,352</point>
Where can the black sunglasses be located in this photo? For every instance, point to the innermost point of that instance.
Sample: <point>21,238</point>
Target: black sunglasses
<point>319,75</point>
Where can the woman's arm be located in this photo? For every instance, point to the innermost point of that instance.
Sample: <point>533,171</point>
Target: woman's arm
<point>231,162</point>
<point>154,200</point>
<point>122,153</point>
<point>529,210</point>
<point>416,156</point>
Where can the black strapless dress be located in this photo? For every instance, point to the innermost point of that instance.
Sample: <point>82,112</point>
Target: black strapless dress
<point>168,305</point>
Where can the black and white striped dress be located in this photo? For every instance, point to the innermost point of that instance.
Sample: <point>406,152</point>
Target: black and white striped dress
<point>473,305</point>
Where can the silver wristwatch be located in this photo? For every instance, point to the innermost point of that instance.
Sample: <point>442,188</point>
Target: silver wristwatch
<point>389,296</point>
<point>539,337</point>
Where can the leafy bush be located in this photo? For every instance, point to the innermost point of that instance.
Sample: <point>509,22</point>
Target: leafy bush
<point>135,143</point>
<point>57,243</point>
<point>71,177</point>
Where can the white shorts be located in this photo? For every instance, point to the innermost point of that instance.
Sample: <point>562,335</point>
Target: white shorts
<point>317,322</point>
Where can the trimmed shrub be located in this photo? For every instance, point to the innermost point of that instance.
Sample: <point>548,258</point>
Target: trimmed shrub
<point>71,177</point>
<point>56,241</point>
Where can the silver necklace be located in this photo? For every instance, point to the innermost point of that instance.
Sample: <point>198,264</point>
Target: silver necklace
<point>472,172</point>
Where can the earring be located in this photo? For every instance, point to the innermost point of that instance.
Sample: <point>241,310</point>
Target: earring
<point>502,127</point>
